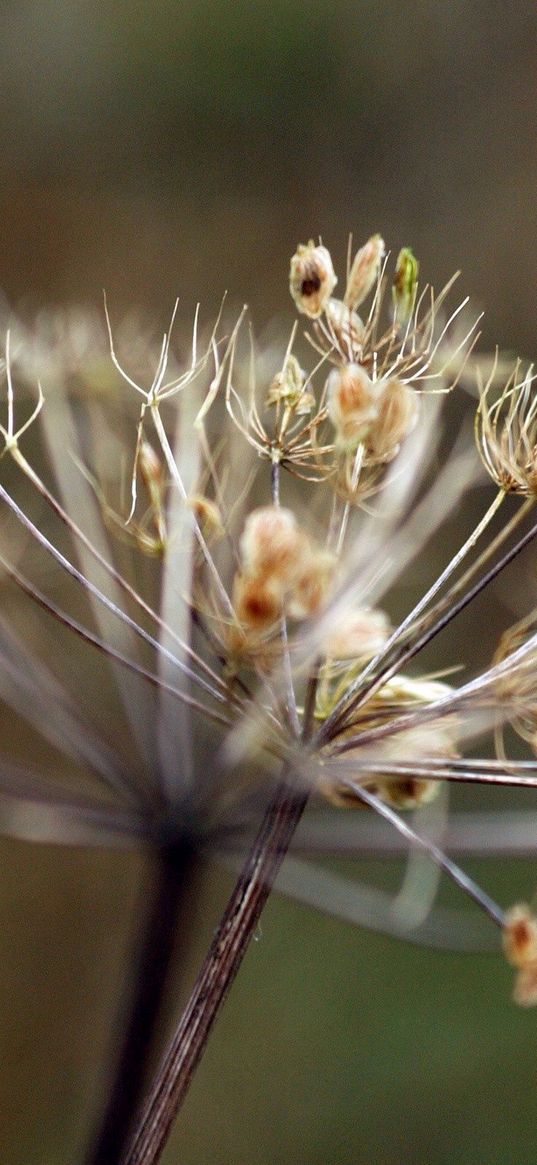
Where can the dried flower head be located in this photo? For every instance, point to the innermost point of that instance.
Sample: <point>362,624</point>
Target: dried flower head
<point>281,572</point>
<point>506,432</point>
<point>273,579</point>
<point>377,415</point>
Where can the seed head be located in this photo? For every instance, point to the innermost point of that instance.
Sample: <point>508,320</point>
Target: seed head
<point>429,740</point>
<point>207,515</point>
<point>282,571</point>
<point>312,584</point>
<point>376,414</point>
<point>525,989</point>
<point>273,635</point>
<point>506,433</point>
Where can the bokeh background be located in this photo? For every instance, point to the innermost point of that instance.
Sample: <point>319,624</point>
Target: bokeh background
<point>183,149</point>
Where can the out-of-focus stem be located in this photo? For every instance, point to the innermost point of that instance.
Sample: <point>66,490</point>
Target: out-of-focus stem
<point>216,976</point>
<point>147,974</point>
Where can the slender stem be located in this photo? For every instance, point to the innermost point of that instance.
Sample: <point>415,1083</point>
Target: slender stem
<point>291,708</point>
<point>216,975</point>
<point>460,877</point>
<point>361,694</point>
<point>148,973</point>
<point>410,622</point>
<point>113,573</point>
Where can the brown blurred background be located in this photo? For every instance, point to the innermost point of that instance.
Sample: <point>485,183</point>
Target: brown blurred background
<point>183,149</point>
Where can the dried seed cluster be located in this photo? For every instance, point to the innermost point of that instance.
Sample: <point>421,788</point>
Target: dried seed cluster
<point>282,572</point>
<point>272,623</point>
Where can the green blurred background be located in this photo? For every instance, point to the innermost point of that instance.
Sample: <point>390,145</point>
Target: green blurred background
<point>182,149</point>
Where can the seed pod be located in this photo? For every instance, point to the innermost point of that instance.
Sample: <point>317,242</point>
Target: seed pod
<point>271,544</point>
<point>151,468</point>
<point>353,404</point>
<point>257,601</point>
<point>207,515</point>
<point>364,271</point>
<point>520,936</point>
<point>426,740</point>
<point>311,279</point>
<point>397,415</point>
<point>154,479</point>
<point>359,635</point>
<point>525,989</point>
<point>287,388</point>
<point>409,793</point>
<point>310,588</point>
<point>345,328</point>
<point>404,287</point>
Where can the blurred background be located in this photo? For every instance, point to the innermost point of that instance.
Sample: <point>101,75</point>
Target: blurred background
<point>184,149</point>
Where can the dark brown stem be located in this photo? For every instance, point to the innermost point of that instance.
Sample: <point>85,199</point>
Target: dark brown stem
<point>147,974</point>
<point>216,975</point>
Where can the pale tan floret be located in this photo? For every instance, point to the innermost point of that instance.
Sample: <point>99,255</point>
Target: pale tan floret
<point>353,404</point>
<point>359,635</point>
<point>311,585</point>
<point>282,572</point>
<point>376,414</point>
<point>207,515</point>
<point>520,948</point>
<point>525,988</point>
<point>312,278</point>
<point>365,271</point>
<point>151,467</point>
<point>272,543</point>
<point>518,691</point>
<point>288,388</point>
<point>397,416</point>
<point>429,740</point>
<point>520,935</point>
<point>257,600</point>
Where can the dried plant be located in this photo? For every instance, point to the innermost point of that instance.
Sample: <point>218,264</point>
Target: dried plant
<point>238,595</point>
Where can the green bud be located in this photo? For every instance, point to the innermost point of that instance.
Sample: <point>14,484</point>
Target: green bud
<point>404,287</point>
